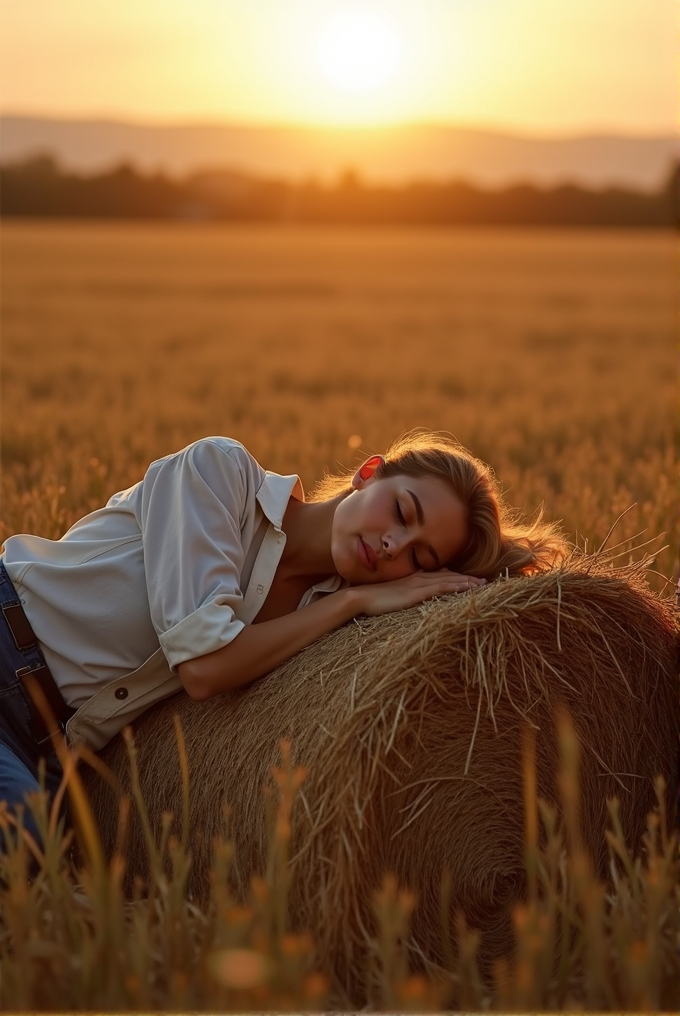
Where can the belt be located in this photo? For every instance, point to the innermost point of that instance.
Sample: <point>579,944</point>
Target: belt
<point>24,639</point>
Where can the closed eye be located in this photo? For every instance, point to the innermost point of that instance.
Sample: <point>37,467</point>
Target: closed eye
<point>399,515</point>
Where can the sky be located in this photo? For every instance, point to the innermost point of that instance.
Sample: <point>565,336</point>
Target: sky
<point>536,66</point>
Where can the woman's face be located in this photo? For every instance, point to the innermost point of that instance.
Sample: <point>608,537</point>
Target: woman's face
<point>389,528</point>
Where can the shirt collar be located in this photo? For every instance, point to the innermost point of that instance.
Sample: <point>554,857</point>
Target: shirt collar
<point>274,493</point>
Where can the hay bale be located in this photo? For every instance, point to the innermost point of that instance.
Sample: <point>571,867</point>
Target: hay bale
<point>410,726</point>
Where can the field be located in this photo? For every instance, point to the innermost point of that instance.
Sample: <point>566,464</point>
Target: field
<point>551,355</point>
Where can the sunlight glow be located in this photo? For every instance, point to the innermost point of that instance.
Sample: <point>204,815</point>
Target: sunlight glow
<point>358,51</point>
<point>497,64</point>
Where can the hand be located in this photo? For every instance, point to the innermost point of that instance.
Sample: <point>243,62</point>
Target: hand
<point>384,597</point>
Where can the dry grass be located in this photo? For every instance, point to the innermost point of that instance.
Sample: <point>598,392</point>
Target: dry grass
<point>551,355</point>
<point>70,940</point>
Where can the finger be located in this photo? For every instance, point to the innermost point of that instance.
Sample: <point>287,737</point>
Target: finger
<point>447,577</point>
<point>460,585</point>
<point>473,578</point>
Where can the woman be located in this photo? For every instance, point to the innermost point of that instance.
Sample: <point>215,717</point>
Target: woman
<point>210,572</point>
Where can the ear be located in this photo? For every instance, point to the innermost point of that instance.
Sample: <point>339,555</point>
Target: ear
<point>366,471</point>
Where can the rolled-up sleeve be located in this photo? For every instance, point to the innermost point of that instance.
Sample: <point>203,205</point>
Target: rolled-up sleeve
<point>189,515</point>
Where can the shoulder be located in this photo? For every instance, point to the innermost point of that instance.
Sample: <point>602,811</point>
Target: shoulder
<point>215,448</point>
<point>221,448</point>
<point>216,461</point>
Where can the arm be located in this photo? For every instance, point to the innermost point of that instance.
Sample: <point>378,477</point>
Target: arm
<point>191,507</point>
<point>259,649</point>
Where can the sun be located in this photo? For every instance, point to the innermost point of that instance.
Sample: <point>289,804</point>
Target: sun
<point>358,51</point>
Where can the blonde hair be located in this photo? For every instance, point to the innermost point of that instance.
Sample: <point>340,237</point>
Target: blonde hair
<point>500,540</point>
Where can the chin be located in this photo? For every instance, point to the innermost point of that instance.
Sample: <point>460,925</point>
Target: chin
<point>346,569</point>
<point>354,576</point>
<point>351,570</point>
<point>361,577</point>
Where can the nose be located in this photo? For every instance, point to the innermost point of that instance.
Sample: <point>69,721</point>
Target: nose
<point>393,545</point>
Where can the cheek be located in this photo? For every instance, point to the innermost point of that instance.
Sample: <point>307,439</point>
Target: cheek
<point>343,551</point>
<point>344,519</point>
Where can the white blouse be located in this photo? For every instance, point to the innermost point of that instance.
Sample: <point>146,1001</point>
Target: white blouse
<point>170,569</point>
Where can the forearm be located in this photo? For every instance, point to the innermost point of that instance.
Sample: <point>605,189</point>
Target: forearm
<point>260,648</point>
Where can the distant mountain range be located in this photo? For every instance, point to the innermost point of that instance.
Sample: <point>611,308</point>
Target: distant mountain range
<point>386,154</point>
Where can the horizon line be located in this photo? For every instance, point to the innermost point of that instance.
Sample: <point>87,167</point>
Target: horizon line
<point>474,127</point>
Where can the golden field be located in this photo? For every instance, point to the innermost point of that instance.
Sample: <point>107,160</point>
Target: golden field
<point>552,355</point>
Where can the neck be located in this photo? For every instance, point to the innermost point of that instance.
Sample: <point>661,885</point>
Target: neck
<point>308,529</point>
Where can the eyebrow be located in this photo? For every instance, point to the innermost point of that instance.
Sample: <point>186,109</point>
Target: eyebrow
<point>421,522</point>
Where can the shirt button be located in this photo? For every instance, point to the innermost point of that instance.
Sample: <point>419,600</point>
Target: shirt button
<point>260,589</point>
<point>121,693</point>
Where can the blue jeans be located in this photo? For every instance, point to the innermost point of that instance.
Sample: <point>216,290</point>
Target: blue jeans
<point>20,753</point>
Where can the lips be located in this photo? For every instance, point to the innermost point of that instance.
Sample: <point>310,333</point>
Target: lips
<point>367,555</point>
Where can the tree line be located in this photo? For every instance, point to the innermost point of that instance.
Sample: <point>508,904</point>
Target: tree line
<point>39,187</point>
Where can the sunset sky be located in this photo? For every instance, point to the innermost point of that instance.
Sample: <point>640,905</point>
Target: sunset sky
<point>544,66</point>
